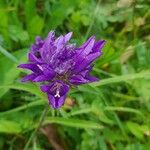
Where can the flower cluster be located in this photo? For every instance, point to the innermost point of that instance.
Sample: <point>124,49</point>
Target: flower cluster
<point>59,65</point>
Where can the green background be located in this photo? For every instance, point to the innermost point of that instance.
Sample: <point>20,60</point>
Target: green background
<point>113,114</point>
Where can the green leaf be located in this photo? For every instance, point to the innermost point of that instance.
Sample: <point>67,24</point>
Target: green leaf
<point>8,55</point>
<point>35,26</point>
<point>123,109</point>
<point>30,9</point>
<point>32,88</point>
<point>60,10</point>
<point>20,108</point>
<point>102,143</point>
<point>4,24</point>
<point>18,34</point>
<point>80,111</point>
<point>142,87</point>
<point>77,123</point>
<point>9,71</point>
<point>7,126</point>
<point>135,129</point>
<point>103,118</point>
<point>98,110</point>
<point>122,78</point>
<point>109,54</point>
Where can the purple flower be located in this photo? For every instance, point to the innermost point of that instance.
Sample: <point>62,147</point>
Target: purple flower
<point>60,65</point>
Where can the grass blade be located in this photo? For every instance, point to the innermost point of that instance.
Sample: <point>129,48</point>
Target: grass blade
<point>123,109</point>
<point>123,78</point>
<point>32,88</point>
<point>77,123</point>
<point>9,55</point>
<point>26,106</point>
<point>79,112</point>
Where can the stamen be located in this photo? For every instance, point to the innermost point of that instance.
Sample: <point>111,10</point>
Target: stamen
<point>56,86</point>
<point>57,94</point>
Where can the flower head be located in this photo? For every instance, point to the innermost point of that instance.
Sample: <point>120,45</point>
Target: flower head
<point>59,65</point>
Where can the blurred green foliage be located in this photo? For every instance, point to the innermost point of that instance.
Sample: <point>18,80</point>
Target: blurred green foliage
<point>113,114</point>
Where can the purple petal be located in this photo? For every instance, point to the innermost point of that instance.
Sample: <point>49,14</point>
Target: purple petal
<point>33,58</point>
<point>45,88</point>
<point>46,50</point>
<point>86,48</point>
<point>40,78</point>
<point>57,92</point>
<point>32,67</point>
<point>33,48</point>
<point>92,79</point>
<point>83,77</point>
<point>38,44</point>
<point>83,63</point>
<point>59,43</point>
<point>78,79</point>
<point>56,103</point>
<point>39,41</point>
<point>67,37</point>
<point>98,46</point>
<point>70,46</point>
<point>49,74</point>
<point>29,77</point>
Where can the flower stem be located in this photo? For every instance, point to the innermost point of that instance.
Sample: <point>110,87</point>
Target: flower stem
<point>39,125</point>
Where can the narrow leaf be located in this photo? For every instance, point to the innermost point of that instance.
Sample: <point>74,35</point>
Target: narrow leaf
<point>8,55</point>
<point>124,109</point>
<point>25,106</point>
<point>74,123</point>
<point>32,88</point>
<point>123,78</point>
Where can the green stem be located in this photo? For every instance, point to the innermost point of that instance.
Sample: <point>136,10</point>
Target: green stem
<point>35,131</point>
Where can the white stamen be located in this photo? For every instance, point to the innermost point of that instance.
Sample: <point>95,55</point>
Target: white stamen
<point>57,94</point>
<point>40,67</point>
